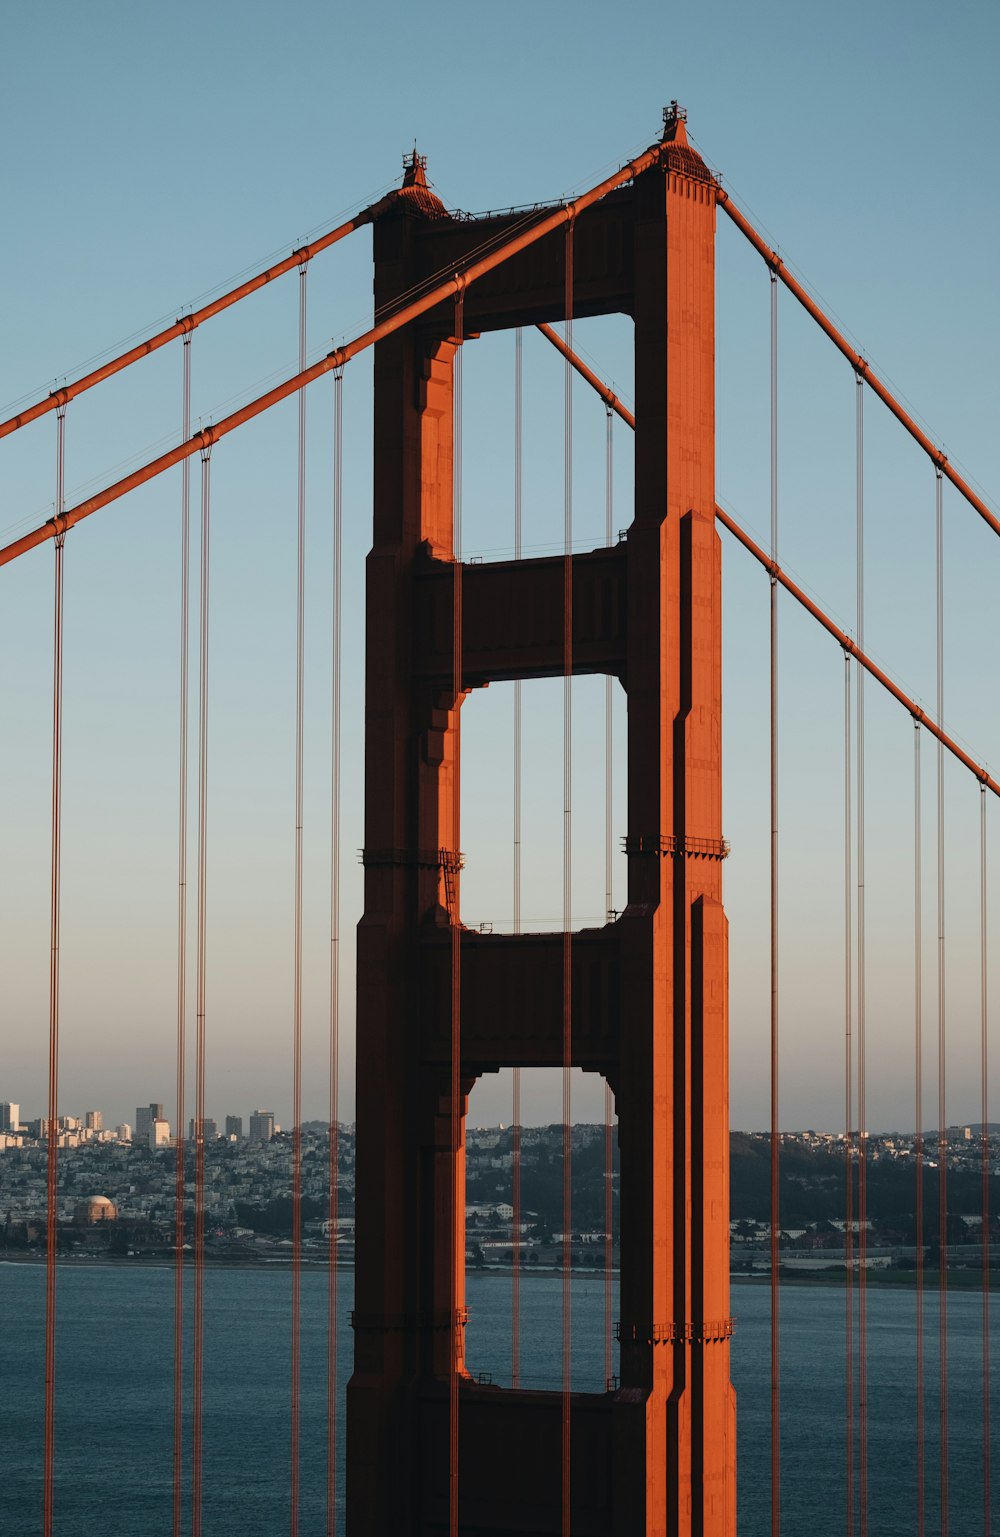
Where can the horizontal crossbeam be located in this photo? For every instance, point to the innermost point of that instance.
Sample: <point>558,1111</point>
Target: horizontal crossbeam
<point>512,619</point>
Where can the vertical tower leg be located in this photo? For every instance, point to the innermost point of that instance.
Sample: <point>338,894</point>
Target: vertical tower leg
<point>673,1098</point>
<point>407,1168</point>
<point>656,1458</point>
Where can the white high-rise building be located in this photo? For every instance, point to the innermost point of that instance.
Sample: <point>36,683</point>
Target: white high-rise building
<point>145,1115</point>
<point>159,1132</point>
<point>262,1126</point>
<point>10,1116</point>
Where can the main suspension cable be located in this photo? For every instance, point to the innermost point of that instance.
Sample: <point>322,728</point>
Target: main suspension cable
<point>862,1159</point>
<point>567,862</point>
<point>942,1059</point>
<point>937,456</point>
<point>918,1149</point>
<point>775,1236</point>
<point>296,1318</point>
<point>456,283</point>
<point>180,1180</point>
<point>842,637</point>
<point>198,1331</point>
<point>55,919</point>
<point>334,1144</point>
<point>515,1129</point>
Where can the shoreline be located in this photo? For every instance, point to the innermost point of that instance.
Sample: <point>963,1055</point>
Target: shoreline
<point>958,1279</point>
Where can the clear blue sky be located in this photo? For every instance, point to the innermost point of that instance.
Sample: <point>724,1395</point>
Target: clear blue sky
<point>154,153</point>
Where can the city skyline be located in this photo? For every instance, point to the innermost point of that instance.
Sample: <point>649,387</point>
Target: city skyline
<point>229,1132</point>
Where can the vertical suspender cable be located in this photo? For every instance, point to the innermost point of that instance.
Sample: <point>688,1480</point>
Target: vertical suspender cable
<point>985,1148</point>
<point>848,1118</point>
<point>515,1125</point>
<point>456,1321</point>
<point>918,1045</point>
<point>182,841</point>
<point>608,910</point>
<point>334,1144</point>
<point>862,1055</point>
<point>198,1331</point>
<point>55,915</point>
<point>296,1340</point>
<point>775,1169</point>
<point>942,1084</point>
<point>567,980</point>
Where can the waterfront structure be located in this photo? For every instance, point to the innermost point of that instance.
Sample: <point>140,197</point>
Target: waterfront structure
<point>95,1209</point>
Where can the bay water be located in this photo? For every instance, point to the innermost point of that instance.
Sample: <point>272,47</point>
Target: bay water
<point>114,1401</point>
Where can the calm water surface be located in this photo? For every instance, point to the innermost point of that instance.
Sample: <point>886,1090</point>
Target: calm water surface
<point>114,1408</point>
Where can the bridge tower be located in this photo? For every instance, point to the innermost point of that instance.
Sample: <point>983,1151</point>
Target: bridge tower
<point>656,1455</point>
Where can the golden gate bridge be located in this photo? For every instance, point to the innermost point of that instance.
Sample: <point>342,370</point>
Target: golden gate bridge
<point>642,999</point>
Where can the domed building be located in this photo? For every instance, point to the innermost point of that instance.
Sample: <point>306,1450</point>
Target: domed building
<point>96,1208</point>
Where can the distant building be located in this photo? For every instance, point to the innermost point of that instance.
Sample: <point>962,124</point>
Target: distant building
<point>10,1116</point>
<point>234,1127</point>
<point>159,1132</point>
<point>96,1208</point>
<point>145,1115</point>
<point>124,1132</point>
<point>94,1120</point>
<point>210,1129</point>
<point>262,1126</point>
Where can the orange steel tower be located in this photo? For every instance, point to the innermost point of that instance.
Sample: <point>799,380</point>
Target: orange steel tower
<point>649,992</point>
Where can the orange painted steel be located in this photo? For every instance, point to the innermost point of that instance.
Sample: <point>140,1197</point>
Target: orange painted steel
<point>607,395</point>
<point>843,639</point>
<point>761,555</point>
<point>182,327</point>
<point>856,360</point>
<point>338,358</point>
<point>644,997</point>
